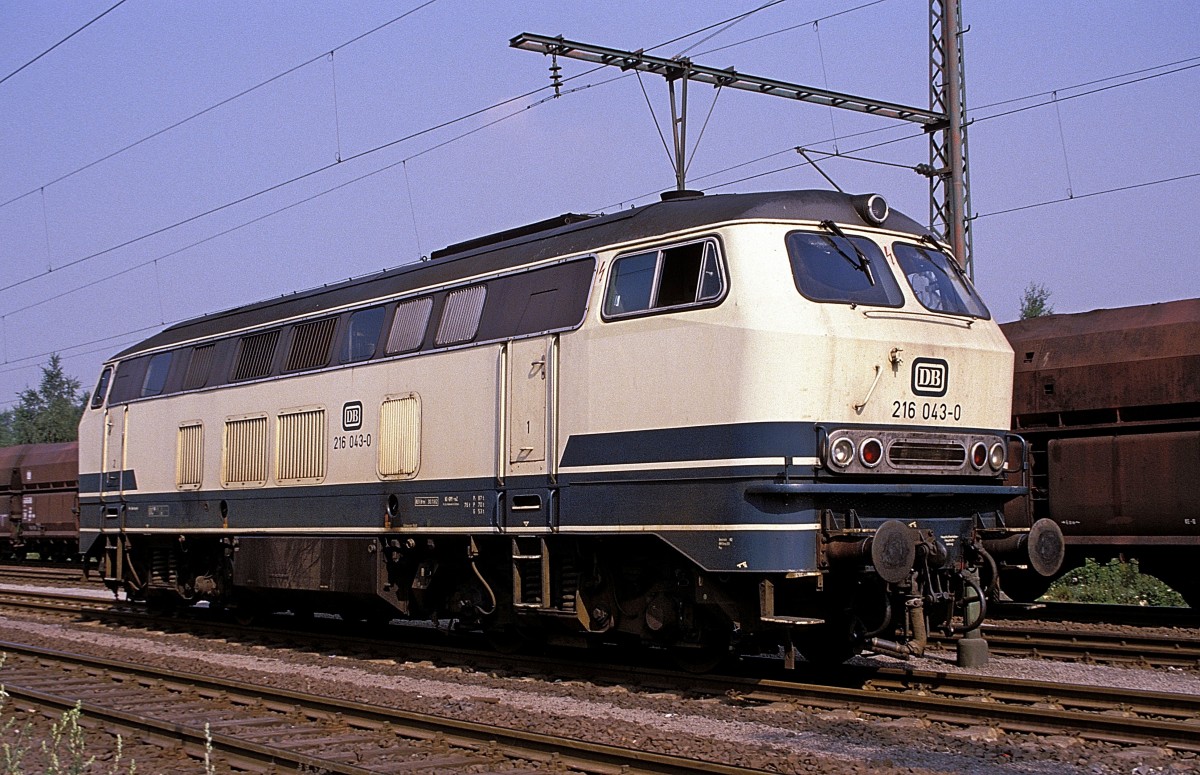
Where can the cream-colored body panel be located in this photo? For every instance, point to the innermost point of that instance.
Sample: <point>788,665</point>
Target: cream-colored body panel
<point>768,354</point>
<point>458,424</point>
<point>764,354</point>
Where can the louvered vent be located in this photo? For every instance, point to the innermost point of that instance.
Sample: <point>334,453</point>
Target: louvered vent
<point>189,457</point>
<point>300,455</point>
<point>255,353</point>
<point>310,345</point>
<point>244,452</point>
<point>199,367</point>
<point>926,453</point>
<point>408,325</point>
<point>460,318</point>
<point>400,437</point>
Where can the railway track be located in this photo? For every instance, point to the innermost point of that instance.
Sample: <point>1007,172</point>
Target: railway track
<point>48,572</point>
<point>1091,645</point>
<point>253,726</point>
<point>1096,613</point>
<point>1075,645</point>
<point>1096,713</point>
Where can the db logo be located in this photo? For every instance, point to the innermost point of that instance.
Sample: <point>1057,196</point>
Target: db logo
<point>930,376</point>
<point>352,416</point>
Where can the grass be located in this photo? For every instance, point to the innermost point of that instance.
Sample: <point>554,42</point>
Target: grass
<point>1114,582</point>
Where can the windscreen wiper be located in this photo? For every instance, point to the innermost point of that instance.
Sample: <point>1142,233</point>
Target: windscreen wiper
<point>863,264</point>
<point>933,243</point>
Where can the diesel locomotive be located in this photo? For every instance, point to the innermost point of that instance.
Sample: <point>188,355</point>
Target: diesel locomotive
<point>757,420</point>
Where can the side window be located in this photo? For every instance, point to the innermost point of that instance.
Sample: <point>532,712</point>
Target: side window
<point>850,270</point>
<point>677,276</point>
<point>460,317</point>
<point>408,325</point>
<point>362,335</point>
<point>156,375</point>
<point>631,284</point>
<point>102,387</point>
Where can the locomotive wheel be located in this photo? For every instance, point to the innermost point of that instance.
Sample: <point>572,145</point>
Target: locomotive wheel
<point>161,602</point>
<point>831,643</point>
<point>245,611</point>
<point>708,648</point>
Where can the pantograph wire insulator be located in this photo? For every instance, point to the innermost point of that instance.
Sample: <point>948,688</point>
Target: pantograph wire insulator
<point>555,77</point>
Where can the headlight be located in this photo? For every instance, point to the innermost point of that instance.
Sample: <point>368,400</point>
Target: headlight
<point>979,455</point>
<point>997,456</point>
<point>870,452</point>
<point>841,452</point>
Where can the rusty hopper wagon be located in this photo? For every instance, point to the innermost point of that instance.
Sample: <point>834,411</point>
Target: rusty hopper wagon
<point>38,496</point>
<point>1109,402</point>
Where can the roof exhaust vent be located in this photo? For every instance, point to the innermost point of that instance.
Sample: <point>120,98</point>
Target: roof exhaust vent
<point>685,193</point>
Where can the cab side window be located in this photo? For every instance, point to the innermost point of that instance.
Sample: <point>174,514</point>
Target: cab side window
<point>156,375</point>
<point>102,387</point>
<point>677,276</point>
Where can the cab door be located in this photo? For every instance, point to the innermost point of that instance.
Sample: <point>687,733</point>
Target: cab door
<point>529,449</point>
<point>112,464</point>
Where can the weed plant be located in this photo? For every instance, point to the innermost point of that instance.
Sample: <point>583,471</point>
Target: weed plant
<point>1114,582</point>
<point>63,750</point>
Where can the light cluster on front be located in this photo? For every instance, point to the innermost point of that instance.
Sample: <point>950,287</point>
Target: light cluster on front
<point>870,450</point>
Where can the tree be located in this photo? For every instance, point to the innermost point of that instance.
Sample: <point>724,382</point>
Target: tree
<point>1035,302</point>
<point>50,413</point>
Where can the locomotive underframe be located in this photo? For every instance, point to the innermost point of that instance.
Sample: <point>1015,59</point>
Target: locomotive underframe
<point>871,579</point>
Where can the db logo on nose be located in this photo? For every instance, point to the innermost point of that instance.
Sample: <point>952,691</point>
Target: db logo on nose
<point>352,416</point>
<point>930,376</point>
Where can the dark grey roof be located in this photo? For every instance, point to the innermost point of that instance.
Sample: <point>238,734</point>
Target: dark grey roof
<point>574,238</point>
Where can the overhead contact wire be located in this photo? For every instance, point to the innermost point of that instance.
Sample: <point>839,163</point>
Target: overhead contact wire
<point>64,40</point>
<point>216,105</point>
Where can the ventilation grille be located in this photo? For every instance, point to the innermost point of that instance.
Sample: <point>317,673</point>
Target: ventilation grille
<point>926,453</point>
<point>408,326</point>
<point>189,457</point>
<point>400,437</point>
<point>460,318</point>
<point>310,345</point>
<point>255,354</point>
<point>301,451</point>
<point>244,460</point>
<point>198,367</point>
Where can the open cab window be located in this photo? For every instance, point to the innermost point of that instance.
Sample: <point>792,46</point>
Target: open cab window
<point>937,282</point>
<point>685,275</point>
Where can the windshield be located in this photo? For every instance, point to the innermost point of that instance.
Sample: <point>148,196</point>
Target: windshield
<point>937,282</point>
<point>827,267</point>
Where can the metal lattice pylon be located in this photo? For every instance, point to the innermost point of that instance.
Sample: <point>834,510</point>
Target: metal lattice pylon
<point>949,183</point>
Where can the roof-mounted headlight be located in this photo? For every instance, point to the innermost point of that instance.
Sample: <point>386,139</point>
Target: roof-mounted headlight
<point>872,207</point>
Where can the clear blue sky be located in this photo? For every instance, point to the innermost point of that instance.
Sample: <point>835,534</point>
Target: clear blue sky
<point>147,65</point>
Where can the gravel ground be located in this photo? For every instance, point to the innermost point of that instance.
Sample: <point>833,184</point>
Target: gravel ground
<point>782,737</point>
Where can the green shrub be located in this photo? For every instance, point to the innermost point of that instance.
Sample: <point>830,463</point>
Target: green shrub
<point>1114,582</point>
